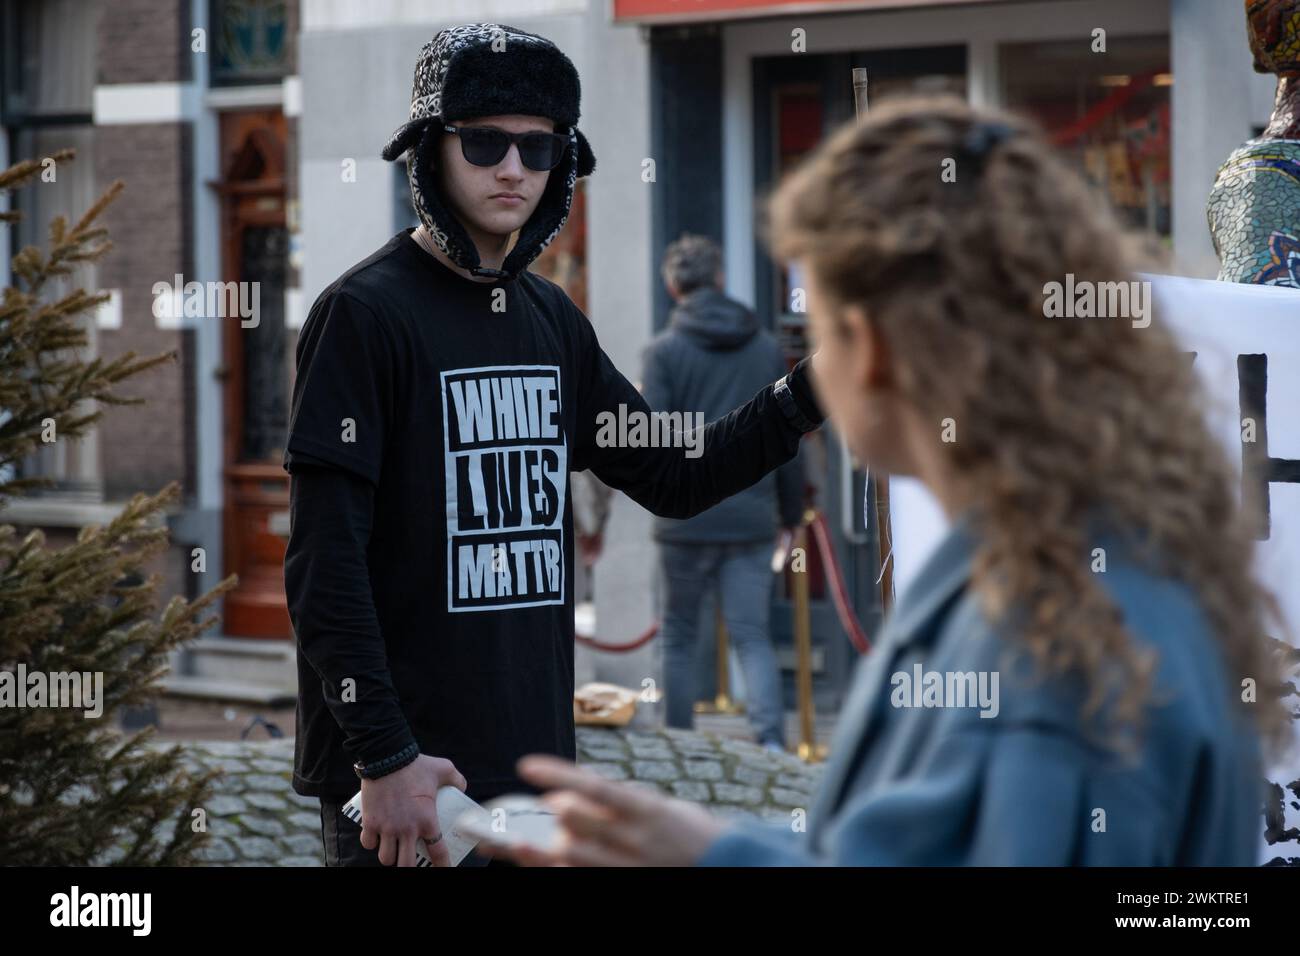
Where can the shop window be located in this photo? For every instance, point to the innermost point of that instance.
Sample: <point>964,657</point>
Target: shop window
<point>47,79</point>
<point>1108,111</point>
<point>801,100</point>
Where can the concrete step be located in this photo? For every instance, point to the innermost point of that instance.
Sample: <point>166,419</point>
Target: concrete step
<point>235,670</point>
<point>203,688</point>
<point>253,661</point>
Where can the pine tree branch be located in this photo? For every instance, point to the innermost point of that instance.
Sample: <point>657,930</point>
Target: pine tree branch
<point>74,791</point>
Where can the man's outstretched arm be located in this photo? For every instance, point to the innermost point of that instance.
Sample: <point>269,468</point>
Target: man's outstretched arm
<point>699,468</point>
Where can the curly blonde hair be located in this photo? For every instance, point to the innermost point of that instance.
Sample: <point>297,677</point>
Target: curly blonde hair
<point>1060,420</point>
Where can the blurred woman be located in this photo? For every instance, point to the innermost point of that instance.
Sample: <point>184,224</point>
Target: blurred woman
<point>1079,674</point>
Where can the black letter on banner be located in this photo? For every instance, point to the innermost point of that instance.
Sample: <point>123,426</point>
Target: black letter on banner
<point>1258,470</point>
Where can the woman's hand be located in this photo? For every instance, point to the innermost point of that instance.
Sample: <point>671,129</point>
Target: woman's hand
<point>604,823</point>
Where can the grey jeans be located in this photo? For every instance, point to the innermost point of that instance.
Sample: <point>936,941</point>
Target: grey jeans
<point>742,574</point>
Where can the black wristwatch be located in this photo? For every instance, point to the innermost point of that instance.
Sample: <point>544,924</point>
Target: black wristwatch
<point>785,399</point>
<point>382,768</point>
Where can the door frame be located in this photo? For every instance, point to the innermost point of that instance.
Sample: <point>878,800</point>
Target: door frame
<point>253,192</point>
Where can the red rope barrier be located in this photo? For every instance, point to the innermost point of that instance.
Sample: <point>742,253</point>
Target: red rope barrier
<point>839,597</point>
<point>839,593</point>
<point>648,635</point>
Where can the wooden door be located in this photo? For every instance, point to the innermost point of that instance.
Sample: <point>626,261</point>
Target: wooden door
<point>256,379</point>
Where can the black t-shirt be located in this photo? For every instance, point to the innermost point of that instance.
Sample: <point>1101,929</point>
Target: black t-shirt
<point>463,405</point>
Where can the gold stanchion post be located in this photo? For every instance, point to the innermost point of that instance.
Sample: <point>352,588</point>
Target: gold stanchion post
<point>809,750</point>
<point>722,702</point>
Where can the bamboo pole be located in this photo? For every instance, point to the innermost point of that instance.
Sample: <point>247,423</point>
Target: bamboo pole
<point>885,537</point>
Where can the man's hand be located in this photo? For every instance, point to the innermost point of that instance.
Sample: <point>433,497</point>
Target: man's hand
<point>401,808</point>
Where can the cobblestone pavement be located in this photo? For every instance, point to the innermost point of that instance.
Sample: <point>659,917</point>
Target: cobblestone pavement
<point>255,818</point>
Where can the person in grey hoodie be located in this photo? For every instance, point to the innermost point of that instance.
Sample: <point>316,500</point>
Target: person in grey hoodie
<point>710,358</point>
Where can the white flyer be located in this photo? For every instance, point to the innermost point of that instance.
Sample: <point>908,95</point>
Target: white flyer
<point>455,809</point>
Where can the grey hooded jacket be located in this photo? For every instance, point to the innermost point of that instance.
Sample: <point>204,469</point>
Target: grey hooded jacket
<point>713,358</point>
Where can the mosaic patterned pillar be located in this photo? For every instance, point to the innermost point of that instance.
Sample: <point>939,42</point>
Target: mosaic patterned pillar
<point>1254,208</point>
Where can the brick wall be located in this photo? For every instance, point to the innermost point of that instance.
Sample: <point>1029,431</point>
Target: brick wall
<point>144,41</point>
<point>145,447</point>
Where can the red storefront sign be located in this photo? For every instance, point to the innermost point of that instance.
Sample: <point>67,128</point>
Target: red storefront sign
<point>678,10</point>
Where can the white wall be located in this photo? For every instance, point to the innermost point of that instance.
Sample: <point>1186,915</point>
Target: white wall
<point>1217,98</point>
<point>356,89</point>
<point>369,14</point>
<point>616,119</point>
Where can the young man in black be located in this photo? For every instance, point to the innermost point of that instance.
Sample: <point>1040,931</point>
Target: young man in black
<point>443,395</point>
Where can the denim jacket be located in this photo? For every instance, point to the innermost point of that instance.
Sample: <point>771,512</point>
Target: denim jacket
<point>1012,778</point>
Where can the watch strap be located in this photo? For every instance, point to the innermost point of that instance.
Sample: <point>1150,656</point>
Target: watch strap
<point>390,764</point>
<point>789,407</point>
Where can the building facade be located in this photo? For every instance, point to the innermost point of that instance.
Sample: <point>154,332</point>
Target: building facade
<point>256,158</point>
<point>193,105</point>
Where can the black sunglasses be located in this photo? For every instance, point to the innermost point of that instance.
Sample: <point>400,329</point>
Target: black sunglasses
<point>485,146</point>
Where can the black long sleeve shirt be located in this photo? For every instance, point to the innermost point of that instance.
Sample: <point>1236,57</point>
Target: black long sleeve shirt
<point>435,421</point>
